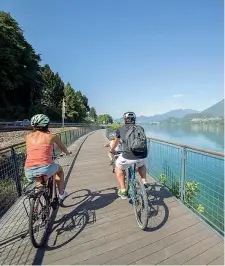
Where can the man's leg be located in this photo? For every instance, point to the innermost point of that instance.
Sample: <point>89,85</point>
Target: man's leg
<point>142,173</point>
<point>120,165</point>
<point>120,177</point>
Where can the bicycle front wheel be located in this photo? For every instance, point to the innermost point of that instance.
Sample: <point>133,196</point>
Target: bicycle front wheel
<point>39,220</point>
<point>140,203</point>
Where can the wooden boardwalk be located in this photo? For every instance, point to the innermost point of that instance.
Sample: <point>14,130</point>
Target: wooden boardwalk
<point>96,227</point>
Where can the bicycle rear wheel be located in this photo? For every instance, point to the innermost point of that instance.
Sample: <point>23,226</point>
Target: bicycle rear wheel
<point>140,203</point>
<point>39,219</point>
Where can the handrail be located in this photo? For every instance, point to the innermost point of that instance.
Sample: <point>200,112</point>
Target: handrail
<point>188,147</point>
<point>23,143</point>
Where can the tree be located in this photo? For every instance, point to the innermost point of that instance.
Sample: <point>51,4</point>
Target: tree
<point>105,119</point>
<point>81,106</point>
<point>93,115</point>
<point>27,88</point>
<point>53,88</point>
<point>70,102</point>
<point>48,83</point>
<point>20,77</point>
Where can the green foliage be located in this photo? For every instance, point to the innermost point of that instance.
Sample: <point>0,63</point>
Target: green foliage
<point>191,190</point>
<point>20,76</point>
<point>70,102</point>
<point>93,115</point>
<point>115,126</point>
<point>163,179</point>
<point>105,119</point>
<point>200,208</point>
<point>26,87</point>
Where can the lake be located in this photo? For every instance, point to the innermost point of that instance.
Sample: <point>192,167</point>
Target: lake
<point>209,137</point>
<point>165,161</point>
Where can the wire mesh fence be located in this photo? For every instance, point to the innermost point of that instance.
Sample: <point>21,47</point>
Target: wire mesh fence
<point>196,177</point>
<point>12,160</point>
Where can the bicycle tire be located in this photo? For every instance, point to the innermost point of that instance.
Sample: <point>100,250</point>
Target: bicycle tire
<point>144,223</point>
<point>31,222</point>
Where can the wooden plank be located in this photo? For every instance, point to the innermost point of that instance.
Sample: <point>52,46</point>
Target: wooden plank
<point>156,252</point>
<point>96,227</point>
<point>218,261</point>
<point>208,256</point>
<point>193,251</point>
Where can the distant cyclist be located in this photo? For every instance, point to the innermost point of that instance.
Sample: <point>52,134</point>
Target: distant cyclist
<point>118,148</point>
<point>39,145</point>
<point>134,150</point>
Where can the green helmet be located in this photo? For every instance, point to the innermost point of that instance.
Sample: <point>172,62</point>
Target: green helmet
<point>39,120</point>
<point>112,135</point>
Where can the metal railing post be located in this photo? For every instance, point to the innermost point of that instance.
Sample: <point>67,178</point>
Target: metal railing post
<point>66,138</point>
<point>183,173</point>
<point>70,138</point>
<point>17,177</point>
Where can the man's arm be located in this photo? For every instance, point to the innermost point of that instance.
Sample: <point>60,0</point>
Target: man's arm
<point>115,141</point>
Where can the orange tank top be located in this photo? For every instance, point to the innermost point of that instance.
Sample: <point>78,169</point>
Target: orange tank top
<point>39,154</point>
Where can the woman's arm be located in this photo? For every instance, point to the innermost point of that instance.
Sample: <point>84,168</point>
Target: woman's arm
<point>107,144</point>
<point>61,146</point>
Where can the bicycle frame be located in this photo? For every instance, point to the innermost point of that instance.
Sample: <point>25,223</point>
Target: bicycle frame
<point>131,176</point>
<point>31,193</point>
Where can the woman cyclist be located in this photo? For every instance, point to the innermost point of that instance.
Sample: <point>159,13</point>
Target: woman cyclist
<point>118,149</point>
<point>39,161</point>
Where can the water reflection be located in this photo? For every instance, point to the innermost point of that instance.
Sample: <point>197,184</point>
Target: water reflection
<point>204,136</point>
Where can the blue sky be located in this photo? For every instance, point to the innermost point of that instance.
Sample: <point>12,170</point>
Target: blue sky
<point>147,56</point>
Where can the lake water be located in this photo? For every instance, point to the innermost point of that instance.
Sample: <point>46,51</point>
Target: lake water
<point>209,137</point>
<point>205,169</point>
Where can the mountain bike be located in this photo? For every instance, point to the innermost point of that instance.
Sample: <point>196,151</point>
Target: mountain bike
<point>42,201</point>
<point>138,194</point>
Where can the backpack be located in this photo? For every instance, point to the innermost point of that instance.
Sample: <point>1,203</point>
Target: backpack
<point>136,139</point>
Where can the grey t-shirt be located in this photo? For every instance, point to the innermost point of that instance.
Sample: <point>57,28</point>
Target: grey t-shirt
<point>127,153</point>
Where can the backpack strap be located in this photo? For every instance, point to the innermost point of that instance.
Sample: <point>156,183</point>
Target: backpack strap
<point>129,132</point>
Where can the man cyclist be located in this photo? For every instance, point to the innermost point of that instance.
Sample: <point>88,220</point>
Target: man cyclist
<point>128,157</point>
<point>39,145</point>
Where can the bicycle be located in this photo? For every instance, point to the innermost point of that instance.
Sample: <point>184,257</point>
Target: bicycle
<point>46,197</point>
<point>134,186</point>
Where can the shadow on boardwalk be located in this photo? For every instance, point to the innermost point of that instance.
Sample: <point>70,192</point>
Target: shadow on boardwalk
<point>66,228</point>
<point>95,227</point>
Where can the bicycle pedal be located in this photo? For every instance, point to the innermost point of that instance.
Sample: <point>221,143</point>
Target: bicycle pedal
<point>54,204</point>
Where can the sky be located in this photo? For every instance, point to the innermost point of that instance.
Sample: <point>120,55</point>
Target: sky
<point>146,56</point>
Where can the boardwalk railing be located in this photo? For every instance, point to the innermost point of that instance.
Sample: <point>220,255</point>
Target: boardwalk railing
<point>194,176</point>
<point>12,159</point>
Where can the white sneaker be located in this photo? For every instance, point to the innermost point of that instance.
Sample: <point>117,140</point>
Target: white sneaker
<point>63,196</point>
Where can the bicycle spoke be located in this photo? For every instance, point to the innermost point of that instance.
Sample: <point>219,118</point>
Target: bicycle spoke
<point>39,220</point>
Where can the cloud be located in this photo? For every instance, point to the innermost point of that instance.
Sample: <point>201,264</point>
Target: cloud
<point>177,95</point>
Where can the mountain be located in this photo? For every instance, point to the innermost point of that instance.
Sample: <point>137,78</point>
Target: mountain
<point>178,113</point>
<point>215,110</point>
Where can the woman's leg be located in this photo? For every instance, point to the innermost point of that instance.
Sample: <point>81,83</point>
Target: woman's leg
<point>60,180</point>
<point>110,156</point>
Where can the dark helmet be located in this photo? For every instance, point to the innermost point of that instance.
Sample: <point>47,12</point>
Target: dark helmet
<point>129,117</point>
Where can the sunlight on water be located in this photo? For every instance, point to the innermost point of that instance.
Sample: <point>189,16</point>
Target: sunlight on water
<point>209,137</point>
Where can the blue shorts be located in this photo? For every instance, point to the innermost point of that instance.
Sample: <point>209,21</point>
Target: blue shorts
<point>48,170</point>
